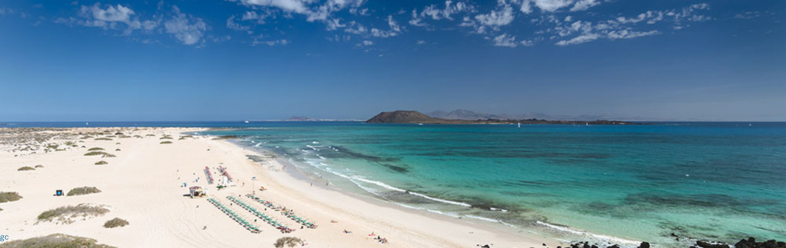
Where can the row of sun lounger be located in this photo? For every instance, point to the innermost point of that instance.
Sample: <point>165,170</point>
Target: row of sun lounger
<point>268,219</point>
<point>288,213</point>
<point>234,216</point>
<point>224,172</point>
<point>209,176</point>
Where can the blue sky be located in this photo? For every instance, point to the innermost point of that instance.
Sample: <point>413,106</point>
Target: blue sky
<point>268,59</point>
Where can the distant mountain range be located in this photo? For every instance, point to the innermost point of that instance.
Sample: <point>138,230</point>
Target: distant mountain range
<point>415,117</point>
<point>463,114</point>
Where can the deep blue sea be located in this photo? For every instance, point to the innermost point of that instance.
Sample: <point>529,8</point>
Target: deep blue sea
<point>715,181</point>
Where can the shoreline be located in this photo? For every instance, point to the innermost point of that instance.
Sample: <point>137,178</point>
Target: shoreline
<point>295,174</point>
<point>142,183</point>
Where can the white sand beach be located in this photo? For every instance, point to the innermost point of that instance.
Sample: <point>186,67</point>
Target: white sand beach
<point>143,185</point>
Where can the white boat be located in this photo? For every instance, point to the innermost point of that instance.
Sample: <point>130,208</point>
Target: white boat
<point>519,124</point>
<point>246,122</point>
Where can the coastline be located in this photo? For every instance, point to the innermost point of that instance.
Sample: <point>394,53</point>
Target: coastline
<point>142,184</point>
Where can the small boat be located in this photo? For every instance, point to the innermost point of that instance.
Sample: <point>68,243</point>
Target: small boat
<point>246,122</point>
<point>420,124</point>
<point>519,124</point>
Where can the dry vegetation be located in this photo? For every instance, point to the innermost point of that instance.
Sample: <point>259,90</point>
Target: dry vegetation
<point>9,196</point>
<point>83,191</point>
<point>25,168</point>
<point>56,240</point>
<point>166,142</point>
<point>102,162</point>
<point>96,149</point>
<point>288,241</point>
<point>116,222</point>
<point>67,214</point>
<point>39,166</point>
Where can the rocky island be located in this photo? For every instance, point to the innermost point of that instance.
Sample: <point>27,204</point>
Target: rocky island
<point>415,117</point>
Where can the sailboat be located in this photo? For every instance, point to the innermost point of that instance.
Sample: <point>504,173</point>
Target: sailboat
<point>519,124</point>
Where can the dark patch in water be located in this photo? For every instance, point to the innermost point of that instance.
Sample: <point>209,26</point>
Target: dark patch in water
<point>395,168</point>
<point>364,156</point>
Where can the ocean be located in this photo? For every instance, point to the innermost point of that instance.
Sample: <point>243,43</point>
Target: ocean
<point>711,181</point>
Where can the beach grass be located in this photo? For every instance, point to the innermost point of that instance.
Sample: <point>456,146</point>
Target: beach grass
<point>102,162</point>
<point>56,240</point>
<point>9,196</point>
<point>83,191</point>
<point>102,139</point>
<point>116,222</point>
<point>96,149</point>
<point>166,137</point>
<point>95,153</point>
<point>63,213</point>
<point>117,150</point>
<point>166,142</point>
<point>288,241</point>
<point>150,134</point>
<point>39,166</point>
<point>25,168</point>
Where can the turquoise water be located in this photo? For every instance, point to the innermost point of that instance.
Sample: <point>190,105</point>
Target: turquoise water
<point>716,181</point>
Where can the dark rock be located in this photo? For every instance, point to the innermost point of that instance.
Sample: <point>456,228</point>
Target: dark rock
<point>644,245</point>
<point>544,244</point>
<point>613,246</point>
<point>586,245</point>
<point>703,244</point>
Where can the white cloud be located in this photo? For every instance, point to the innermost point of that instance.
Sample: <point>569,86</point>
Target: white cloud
<point>579,39</point>
<point>281,42</point>
<point>186,28</point>
<point>421,42</point>
<point>496,18</point>
<point>628,34</point>
<point>434,12</point>
<point>625,27</point>
<point>367,43</point>
<point>505,40</point>
<point>296,6</point>
<point>748,15</point>
<point>109,18</point>
<point>584,5</point>
<point>231,24</point>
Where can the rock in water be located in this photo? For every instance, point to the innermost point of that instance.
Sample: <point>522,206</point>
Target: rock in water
<point>703,244</point>
<point>644,245</point>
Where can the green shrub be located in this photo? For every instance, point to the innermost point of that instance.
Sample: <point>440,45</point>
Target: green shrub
<point>56,240</point>
<point>166,137</point>
<point>108,155</point>
<point>39,166</point>
<point>117,150</point>
<point>101,162</point>
<point>25,168</point>
<point>288,241</point>
<point>9,196</point>
<point>103,139</point>
<point>166,142</point>
<point>96,149</point>
<point>95,153</point>
<point>72,211</point>
<point>83,191</point>
<point>116,222</point>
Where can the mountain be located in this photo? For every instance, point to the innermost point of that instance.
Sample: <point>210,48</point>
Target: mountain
<point>463,114</point>
<point>300,118</point>
<point>403,116</point>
